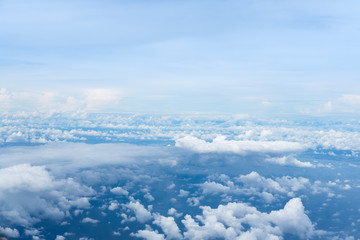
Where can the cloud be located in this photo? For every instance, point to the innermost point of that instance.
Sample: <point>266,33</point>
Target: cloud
<point>214,188</point>
<point>31,193</point>
<point>173,212</point>
<point>102,99</point>
<point>228,221</point>
<point>293,220</point>
<point>253,184</point>
<point>89,220</point>
<point>88,100</point>
<point>236,221</point>
<point>149,234</point>
<point>113,205</point>
<point>221,145</point>
<point>347,103</point>
<point>16,137</point>
<point>59,237</point>
<point>183,193</point>
<point>189,132</point>
<point>149,197</point>
<point>71,156</point>
<point>8,232</point>
<point>141,213</point>
<point>119,191</point>
<point>289,161</point>
<point>168,226</point>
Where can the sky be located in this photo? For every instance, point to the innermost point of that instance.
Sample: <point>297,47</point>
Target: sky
<point>179,120</point>
<point>254,57</point>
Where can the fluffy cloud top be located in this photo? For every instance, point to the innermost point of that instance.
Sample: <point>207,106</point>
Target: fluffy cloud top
<point>29,194</point>
<point>89,220</point>
<point>237,221</point>
<point>168,226</point>
<point>221,145</point>
<point>289,160</point>
<point>229,221</point>
<point>268,189</point>
<point>119,191</point>
<point>8,232</point>
<point>142,214</point>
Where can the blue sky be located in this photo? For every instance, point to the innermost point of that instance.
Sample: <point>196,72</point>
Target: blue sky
<point>156,119</point>
<point>256,57</point>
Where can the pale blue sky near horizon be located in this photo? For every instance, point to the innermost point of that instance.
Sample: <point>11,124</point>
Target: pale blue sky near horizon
<point>186,56</point>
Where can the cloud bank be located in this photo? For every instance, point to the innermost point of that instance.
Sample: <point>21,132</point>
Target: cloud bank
<point>221,145</point>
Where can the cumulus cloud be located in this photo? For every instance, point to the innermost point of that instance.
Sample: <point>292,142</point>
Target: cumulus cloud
<point>30,193</point>
<point>214,188</point>
<point>113,205</point>
<point>293,220</point>
<point>59,237</point>
<point>168,226</point>
<point>142,214</point>
<point>173,212</point>
<point>119,191</point>
<point>236,221</point>
<point>289,160</point>
<point>9,232</point>
<point>89,220</point>
<point>253,184</point>
<point>149,234</point>
<point>228,221</point>
<point>221,145</point>
<point>183,193</point>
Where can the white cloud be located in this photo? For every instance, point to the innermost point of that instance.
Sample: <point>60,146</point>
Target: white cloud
<point>89,220</point>
<point>82,202</point>
<point>61,157</point>
<point>142,214</point>
<point>246,139</point>
<point>32,231</point>
<point>221,145</point>
<point>88,100</point>
<point>168,226</point>
<point>102,99</point>
<point>8,232</point>
<point>119,191</point>
<point>253,184</point>
<point>59,237</point>
<point>214,188</point>
<point>149,197</point>
<point>194,201</point>
<point>289,160</point>
<point>173,212</point>
<point>16,137</point>
<point>171,186</point>
<point>227,221</point>
<point>293,220</point>
<point>29,194</point>
<point>149,235</point>
<point>113,205</point>
<point>183,193</point>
